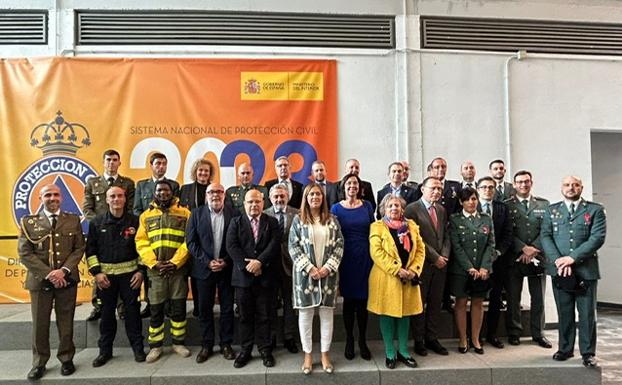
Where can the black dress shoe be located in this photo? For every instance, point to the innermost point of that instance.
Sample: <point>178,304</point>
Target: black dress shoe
<point>290,345</point>
<point>543,342</point>
<point>227,352</point>
<point>436,347</point>
<point>494,341</point>
<point>95,315</point>
<point>477,350</point>
<point>146,313</point>
<point>514,340</point>
<point>463,349</point>
<point>408,361</point>
<point>67,368</point>
<point>390,363</point>
<point>140,356</point>
<point>562,356</point>
<point>589,361</point>
<point>36,373</point>
<point>365,353</point>
<point>268,360</point>
<point>349,350</point>
<point>101,360</point>
<point>241,360</point>
<point>420,349</point>
<point>204,354</point>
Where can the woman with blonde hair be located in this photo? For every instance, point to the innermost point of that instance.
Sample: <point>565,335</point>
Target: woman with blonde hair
<point>398,253</point>
<point>316,247</point>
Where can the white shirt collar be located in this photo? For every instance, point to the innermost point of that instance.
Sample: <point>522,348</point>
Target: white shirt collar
<point>466,215</point>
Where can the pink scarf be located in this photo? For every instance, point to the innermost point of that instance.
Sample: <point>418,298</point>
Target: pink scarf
<point>402,230</point>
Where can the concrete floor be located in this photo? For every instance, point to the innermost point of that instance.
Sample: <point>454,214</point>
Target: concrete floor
<point>609,346</point>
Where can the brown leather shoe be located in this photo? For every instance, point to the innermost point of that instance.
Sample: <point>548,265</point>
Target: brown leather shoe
<point>227,352</point>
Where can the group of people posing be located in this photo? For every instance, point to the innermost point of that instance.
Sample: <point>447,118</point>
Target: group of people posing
<point>303,246</point>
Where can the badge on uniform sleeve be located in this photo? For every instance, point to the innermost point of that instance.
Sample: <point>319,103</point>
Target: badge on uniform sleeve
<point>485,229</point>
<point>129,232</point>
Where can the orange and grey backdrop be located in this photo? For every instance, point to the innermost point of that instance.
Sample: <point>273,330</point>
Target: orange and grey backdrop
<point>225,110</point>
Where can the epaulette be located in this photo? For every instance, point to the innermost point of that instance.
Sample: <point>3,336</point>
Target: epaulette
<point>539,199</point>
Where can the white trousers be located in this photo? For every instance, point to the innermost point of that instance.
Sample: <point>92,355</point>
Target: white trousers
<point>305,325</point>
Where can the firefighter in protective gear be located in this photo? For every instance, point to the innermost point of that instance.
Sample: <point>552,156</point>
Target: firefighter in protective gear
<point>160,242</point>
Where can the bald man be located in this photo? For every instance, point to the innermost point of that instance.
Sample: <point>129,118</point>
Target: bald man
<point>51,245</point>
<point>572,232</point>
<point>234,196</point>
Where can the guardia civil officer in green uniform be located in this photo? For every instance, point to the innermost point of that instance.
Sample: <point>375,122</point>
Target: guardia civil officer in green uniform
<point>94,204</point>
<point>526,259</point>
<point>472,254</point>
<point>572,232</point>
<point>234,196</point>
<point>112,259</point>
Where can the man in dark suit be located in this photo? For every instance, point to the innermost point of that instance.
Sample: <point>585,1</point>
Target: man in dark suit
<point>254,244</point>
<point>281,165</point>
<point>432,220</point>
<point>51,245</point>
<point>449,198</point>
<point>354,167</point>
<point>143,198</point>
<point>572,232</point>
<point>502,226</point>
<point>145,187</point>
<point>396,186</point>
<point>527,213</point>
<point>504,190</point>
<point>211,269</point>
<point>284,215</point>
<point>94,204</point>
<point>318,168</point>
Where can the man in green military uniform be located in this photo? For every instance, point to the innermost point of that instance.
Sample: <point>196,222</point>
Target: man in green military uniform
<point>95,190</point>
<point>234,196</point>
<point>51,245</point>
<point>145,187</point>
<point>95,204</point>
<point>526,259</point>
<point>572,232</point>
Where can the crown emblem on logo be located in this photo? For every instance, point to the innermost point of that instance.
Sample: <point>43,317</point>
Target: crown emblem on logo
<point>252,86</point>
<point>59,136</point>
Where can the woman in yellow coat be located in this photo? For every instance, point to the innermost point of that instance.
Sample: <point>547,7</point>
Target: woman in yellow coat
<point>398,253</point>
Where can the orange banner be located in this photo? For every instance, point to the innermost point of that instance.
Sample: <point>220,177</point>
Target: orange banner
<point>58,115</point>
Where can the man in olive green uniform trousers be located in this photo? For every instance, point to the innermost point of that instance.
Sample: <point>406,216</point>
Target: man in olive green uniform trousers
<point>526,259</point>
<point>234,196</point>
<point>572,232</point>
<point>95,204</point>
<point>51,245</point>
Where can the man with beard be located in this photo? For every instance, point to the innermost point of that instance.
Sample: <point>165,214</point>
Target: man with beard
<point>211,269</point>
<point>160,242</point>
<point>504,190</point>
<point>572,232</point>
<point>50,246</point>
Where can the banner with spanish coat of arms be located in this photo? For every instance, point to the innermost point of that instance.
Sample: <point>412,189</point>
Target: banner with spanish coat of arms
<point>58,116</point>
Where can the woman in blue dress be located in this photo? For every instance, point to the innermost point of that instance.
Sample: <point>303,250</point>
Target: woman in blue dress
<point>355,216</point>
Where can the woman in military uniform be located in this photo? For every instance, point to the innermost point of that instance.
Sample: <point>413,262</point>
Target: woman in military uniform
<point>472,250</point>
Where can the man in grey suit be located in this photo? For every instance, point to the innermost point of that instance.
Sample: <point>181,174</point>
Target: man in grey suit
<point>431,217</point>
<point>504,190</point>
<point>318,168</point>
<point>285,214</point>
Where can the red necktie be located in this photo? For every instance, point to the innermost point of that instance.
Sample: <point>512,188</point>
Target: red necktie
<point>432,212</point>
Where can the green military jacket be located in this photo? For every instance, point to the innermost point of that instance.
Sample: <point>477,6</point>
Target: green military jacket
<point>41,255</point>
<point>472,243</point>
<point>526,223</point>
<point>234,196</point>
<point>95,195</point>
<point>578,236</point>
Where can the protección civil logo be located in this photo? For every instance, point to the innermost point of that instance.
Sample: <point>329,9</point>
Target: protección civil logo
<point>59,141</point>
